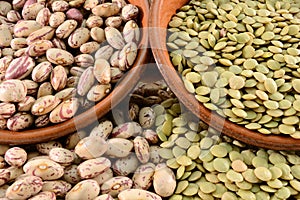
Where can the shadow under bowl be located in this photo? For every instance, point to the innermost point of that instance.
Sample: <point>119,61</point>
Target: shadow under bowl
<point>160,14</point>
<point>122,88</point>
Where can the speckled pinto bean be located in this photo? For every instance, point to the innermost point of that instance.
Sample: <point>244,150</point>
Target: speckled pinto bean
<point>43,16</point>
<point>93,167</point>
<point>151,136</point>
<point>45,89</point>
<point>104,197</point>
<point>102,71</point>
<point>66,93</point>
<point>5,37</point>
<point>137,194</point>
<point>164,181</point>
<point>44,105</point>
<point>44,148</point>
<point>103,129</point>
<point>4,176</point>
<point>131,32</point>
<point>86,81</point>
<point>58,187</point>
<point>79,37</point>
<point>24,28</point>
<point>98,92</point>
<point>143,176</point>
<point>12,90</point>
<point>45,33</point>
<point>114,37</point>
<point>142,149</point>
<point>127,56</point>
<point>71,174</point>
<point>115,185</point>
<point>86,189</point>
<point>91,147</point>
<point>61,155</point>
<point>44,168</point>
<point>59,56</point>
<point>15,156</point>
<point>127,130</point>
<point>24,188</point>
<point>19,121</point>
<point>84,60</point>
<point>118,147</point>
<point>15,172</point>
<point>125,166</point>
<point>7,110</point>
<point>106,9</point>
<point>64,110</point>
<point>46,195</point>
<point>4,63</point>
<point>38,48</point>
<point>41,71</point>
<point>26,104</point>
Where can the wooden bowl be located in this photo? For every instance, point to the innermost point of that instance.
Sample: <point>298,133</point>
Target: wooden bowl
<point>89,116</point>
<point>160,14</point>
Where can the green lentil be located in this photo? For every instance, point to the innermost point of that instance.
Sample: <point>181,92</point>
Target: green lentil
<point>165,153</point>
<point>276,183</point>
<point>184,160</point>
<point>283,193</point>
<point>250,176</point>
<point>181,186</point>
<point>221,164</point>
<point>177,151</point>
<point>210,177</point>
<point>244,194</point>
<point>263,173</point>
<point>180,171</point>
<point>295,170</point>
<point>206,143</point>
<point>172,163</point>
<point>258,161</point>
<point>268,35</point>
<point>234,176</point>
<point>196,175</point>
<point>207,187</point>
<point>193,152</point>
<point>270,85</point>
<point>191,189</point>
<point>218,151</point>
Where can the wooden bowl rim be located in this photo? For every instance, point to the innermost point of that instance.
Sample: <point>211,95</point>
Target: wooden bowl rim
<point>122,88</point>
<point>161,55</point>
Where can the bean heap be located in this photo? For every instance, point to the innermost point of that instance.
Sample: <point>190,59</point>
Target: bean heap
<point>241,59</point>
<point>57,57</point>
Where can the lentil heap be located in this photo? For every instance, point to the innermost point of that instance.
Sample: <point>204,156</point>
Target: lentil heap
<point>241,59</point>
<point>57,58</point>
<point>211,166</point>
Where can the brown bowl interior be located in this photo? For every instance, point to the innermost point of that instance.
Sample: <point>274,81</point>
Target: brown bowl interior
<point>160,15</point>
<point>100,109</point>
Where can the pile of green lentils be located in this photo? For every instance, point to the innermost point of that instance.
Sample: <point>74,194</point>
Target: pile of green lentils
<point>241,59</point>
<point>210,166</point>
